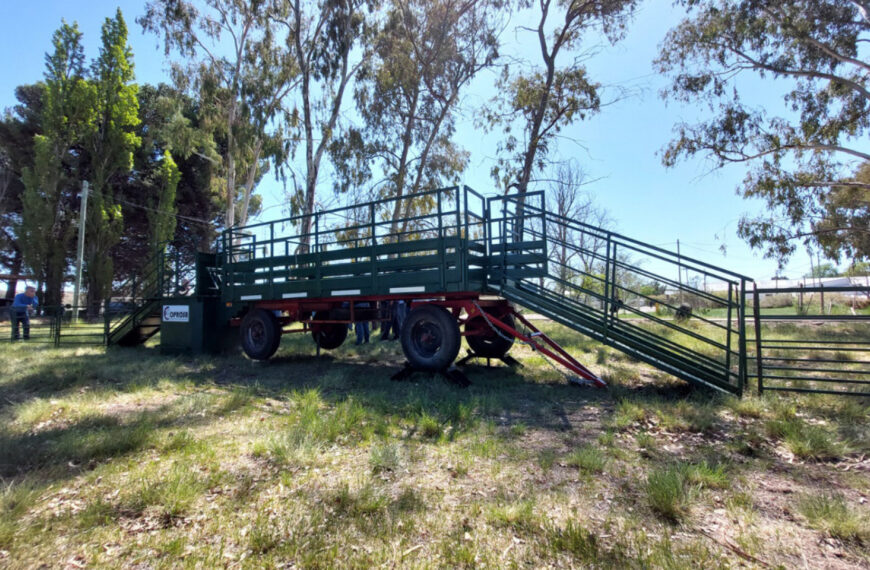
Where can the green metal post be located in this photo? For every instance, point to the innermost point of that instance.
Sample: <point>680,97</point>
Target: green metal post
<point>728,332</point>
<point>546,264</point>
<point>272,256</point>
<point>442,255</point>
<point>614,288</point>
<point>373,257</point>
<point>58,319</point>
<point>106,322</point>
<point>317,266</point>
<point>756,310</point>
<point>742,309</point>
<point>607,286</point>
<point>177,287</point>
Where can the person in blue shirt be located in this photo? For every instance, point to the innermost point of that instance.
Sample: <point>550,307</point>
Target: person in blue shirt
<point>23,304</point>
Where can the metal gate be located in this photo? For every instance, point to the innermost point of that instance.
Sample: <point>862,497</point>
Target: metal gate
<point>817,341</point>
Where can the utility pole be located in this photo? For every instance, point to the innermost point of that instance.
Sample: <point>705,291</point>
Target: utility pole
<point>80,255</point>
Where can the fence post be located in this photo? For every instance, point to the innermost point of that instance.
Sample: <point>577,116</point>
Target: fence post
<point>58,319</point>
<point>742,340</point>
<point>822,292</point>
<point>106,322</point>
<point>757,313</point>
<point>729,328</point>
<point>607,286</point>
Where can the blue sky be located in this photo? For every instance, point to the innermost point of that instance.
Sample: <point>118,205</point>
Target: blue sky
<point>619,147</point>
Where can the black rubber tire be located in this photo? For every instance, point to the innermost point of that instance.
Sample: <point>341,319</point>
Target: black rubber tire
<point>430,338</point>
<point>490,344</point>
<point>328,335</point>
<point>260,334</point>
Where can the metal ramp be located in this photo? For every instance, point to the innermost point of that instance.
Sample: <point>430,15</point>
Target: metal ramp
<point>680,315</point>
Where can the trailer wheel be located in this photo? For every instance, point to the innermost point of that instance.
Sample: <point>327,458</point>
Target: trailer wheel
<point>490,344</point>
<point>328,335</point>
<point>260,334</point>
<point>430,338</point>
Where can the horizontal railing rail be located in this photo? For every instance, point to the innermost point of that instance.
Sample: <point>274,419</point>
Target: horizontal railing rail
<point>831,355</point>
<point>594,280</point>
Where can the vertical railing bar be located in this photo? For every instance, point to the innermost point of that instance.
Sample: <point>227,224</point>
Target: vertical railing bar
<point>373,258</point>
<point>607,286</point>
<point>728,331</point>
<point>742,338</point>
<point>441,253</point>
<point>758,356</point>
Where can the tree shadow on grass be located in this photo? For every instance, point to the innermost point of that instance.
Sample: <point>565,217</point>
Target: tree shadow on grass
<point>501,395</point>
<point>66,448</point>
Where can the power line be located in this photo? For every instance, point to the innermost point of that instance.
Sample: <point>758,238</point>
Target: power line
<point>165,212</point>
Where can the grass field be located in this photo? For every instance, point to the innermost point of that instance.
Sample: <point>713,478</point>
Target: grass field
<point>129,458</point>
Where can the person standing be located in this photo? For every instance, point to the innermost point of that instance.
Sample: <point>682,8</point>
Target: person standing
<point>362,327</point>
<point>23,304</point>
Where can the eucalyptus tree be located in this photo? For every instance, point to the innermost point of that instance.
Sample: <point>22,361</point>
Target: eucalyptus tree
<point>806,160</point>
<point>542,95</point>
<point>322,39</point>
<point>235,62</point>
<point>409,87</point>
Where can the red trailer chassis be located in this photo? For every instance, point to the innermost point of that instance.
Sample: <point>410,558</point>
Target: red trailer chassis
<point>480,317</point>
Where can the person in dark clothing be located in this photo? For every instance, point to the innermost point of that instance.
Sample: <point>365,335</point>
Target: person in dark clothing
<point>401,314</point>
<point>23,304</point>
<point>362,327</point>
<point>392,324</point>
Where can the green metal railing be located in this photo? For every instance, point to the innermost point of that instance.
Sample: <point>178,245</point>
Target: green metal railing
<point>165,274</point>
<point>56,326</point>
<point>599,283</point>
<point>815,349</point>
<point>432,241</point>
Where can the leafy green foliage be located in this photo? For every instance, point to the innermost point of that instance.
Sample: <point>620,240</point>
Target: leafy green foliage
<point>423,57</point>
<point>322,37</point>
<point>241,90</point>
<point>547,96</point>
<point>160,219</point>
<point>803,160</point>
<point>47,203</point>
<point>111,140</point>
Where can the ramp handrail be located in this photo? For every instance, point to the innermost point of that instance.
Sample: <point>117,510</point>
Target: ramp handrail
<point>618,290</point>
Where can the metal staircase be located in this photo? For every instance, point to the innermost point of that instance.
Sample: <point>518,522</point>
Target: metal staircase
<point>649,303</point>
<point>140,298</point>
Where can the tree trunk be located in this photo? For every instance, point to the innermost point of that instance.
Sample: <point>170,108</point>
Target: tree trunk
<point>17,264</point>
<point>249,183</point>
<point>231,168</point>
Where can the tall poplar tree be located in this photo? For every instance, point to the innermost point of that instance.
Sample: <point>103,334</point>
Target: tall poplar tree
<point>110,142</point>
<point>49,196</point>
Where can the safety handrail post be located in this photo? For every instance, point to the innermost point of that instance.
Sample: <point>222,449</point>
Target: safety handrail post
<point>756,310</point>
<point>729,320</point>
<point>607,286</point>
<point>742,339</point>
